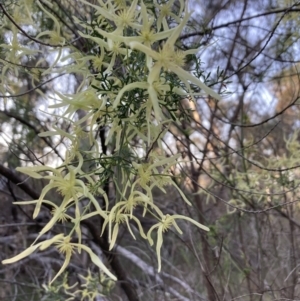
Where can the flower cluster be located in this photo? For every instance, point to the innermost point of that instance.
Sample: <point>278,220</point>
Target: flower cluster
<point>90,287</point>
<point>133,81</point>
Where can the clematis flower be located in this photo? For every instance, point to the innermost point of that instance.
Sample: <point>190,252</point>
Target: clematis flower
<point>64,246</point>
<point>146,35</point>
<point>167,58</point>
<point>117,217</point>
<point>67,184</point>
<point>166,221</point>
<point>135,198</point>
<point>94,286</point>
<point>165,10</point>
<point>13,53</point>
<point>123,18</point>
<point>86,100</point>
<point>112,46</point>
